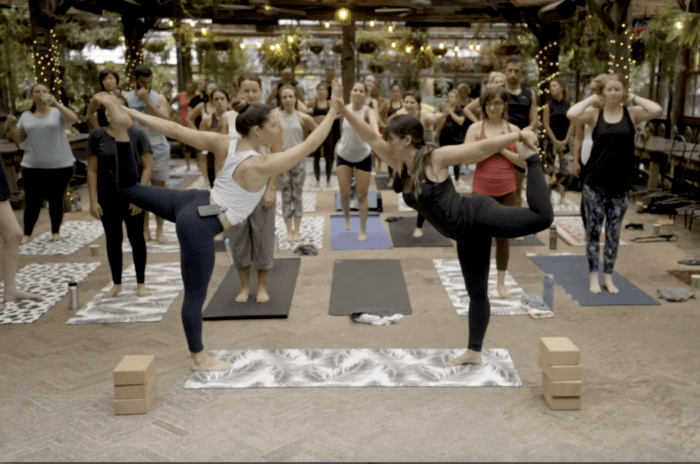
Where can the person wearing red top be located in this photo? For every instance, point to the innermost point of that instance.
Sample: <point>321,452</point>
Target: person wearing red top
<point>184,99</point>
<point>495,176</point>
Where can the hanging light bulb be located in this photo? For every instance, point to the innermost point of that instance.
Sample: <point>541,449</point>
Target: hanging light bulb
<point>204,31</point>
<point>343,15</point>
<point>371,23</point>
<point>393,44</point>
<point>390,28</point>
<point>290,39</point>
<point>478,47</point>
<point>409,49</point>
<point>326,24</point>
<point>442,46</point>
<point>242,45</point>
<point>170,23</point>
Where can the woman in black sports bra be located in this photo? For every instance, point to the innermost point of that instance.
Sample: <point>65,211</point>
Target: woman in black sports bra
<point>472,220</point>
<point>319,108</point>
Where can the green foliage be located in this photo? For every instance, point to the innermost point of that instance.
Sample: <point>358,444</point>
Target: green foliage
<point>222,63</point>
<point>688,35</point>
<point>285,52</point>
<point>659,39</point>
<point>17,56</point>
<point>376,39</point>
<point>585,45</point>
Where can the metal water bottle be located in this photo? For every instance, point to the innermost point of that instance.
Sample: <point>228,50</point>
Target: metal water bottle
<point>553,237</point>
<point>73,293</point>
<point>78,202</point>
<point>548,292</point>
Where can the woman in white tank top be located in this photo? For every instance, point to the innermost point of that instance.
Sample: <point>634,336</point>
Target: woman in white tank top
<point>353,156</point>
<point>237,190</point>
<point>290,183</point>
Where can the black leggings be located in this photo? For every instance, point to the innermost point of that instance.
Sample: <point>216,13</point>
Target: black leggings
<point>45,184</point>
<point>491,219</point>
<point>457,168</point>
<point>114,212</point>
<point>195,234</point>
<point>328,146</point>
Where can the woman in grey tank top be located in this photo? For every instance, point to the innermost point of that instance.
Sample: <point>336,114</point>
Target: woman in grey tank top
<point>291,182</point>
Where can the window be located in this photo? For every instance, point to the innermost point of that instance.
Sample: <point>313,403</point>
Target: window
<point>691,104</point>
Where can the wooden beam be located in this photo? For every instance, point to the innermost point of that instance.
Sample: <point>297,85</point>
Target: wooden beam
<point>602,10</point>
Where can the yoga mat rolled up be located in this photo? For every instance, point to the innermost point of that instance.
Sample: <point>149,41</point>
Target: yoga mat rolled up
<point>368,285</point>
<point>342,239</point>
<point>402,234</point>
<point>280,284</point>
<point>571,272</point>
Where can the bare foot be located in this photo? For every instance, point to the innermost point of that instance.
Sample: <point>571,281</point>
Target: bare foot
<point>520,239</point>
<point>56,238</point>
<point>502,291</point>
<point>609,284</point>
<point>418,233</point>
<point>470,357</point>
<point>142,291</point>
<point>289,238</point>
<point>296,237</point>
<point>593,283</point>
<point>160,238</point>
<point>262,296</point>
<point>202,362</point>
<point>243,296</point>
<point>348,224</point>
<point>362,236</point>
<point>112,292</point>
<point>26,239</point>
<point>16,294</point>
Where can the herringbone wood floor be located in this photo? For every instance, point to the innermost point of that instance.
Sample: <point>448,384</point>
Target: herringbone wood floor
<point>640,376</point>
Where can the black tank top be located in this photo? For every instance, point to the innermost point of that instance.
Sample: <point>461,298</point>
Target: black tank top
<point>439,203</point>
<point>392,110</point>
<point>519,107</point>
<point>557,118</point>
<point>609,169</point>
<point>320,111</point>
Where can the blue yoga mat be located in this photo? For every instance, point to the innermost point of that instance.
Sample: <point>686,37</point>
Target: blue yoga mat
<point>342,239</point>
<point>571,272</point>
<point>371,201</point>
<point>175,181</point>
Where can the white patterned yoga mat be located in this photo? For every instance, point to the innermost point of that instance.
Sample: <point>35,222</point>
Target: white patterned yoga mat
<point>452,279</point>
<point>49,280</point>
<point>570,229</point>
<point>164,281</point>
<point>311,185</point>
<point>308,201</point>
<point>357,368</point>
<point>311,233</point>
<point>567,208</point>
<point>75,234</point>
<point>152,246</point>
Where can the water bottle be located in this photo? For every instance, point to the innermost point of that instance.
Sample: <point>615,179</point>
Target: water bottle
<point>553,237</point>
<point>78,202</point>
<point>229,252</point>
<point>548,293</point>
<point>73,292</point>
<point>379,202</point>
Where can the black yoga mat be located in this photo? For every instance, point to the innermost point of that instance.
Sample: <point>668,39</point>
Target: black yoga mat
<point>280,285</point>
<point>571,272</point>
<point>402,234</point>
<point>368,285</point>
<point>530,240</point>
<point>382,182</point>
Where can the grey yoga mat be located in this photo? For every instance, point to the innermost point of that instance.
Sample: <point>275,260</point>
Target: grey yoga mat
<point>367,285</point>
<point>402,234</point>
<point>571,272</point>
<point>530,240</point>
<point>281,283</point>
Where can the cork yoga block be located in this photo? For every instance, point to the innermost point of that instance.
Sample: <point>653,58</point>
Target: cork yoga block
<point>559,373</point>
<point>134,370</point>
<point>559,351</point>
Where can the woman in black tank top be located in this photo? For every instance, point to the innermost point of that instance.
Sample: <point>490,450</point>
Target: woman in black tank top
<point>607,183</point>
<point>319,108</point>
<point>471,221</point>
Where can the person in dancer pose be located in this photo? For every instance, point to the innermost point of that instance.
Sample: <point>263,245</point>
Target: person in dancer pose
<point>471,221</point>
<point>291,182</point>
<point>495,175</point>
<point>200,216</point>
<point>607,186</point>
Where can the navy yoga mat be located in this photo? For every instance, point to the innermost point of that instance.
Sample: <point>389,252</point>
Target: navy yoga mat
<point>281,283</point>
<point>530,240</point>
<point>342,239</point>
<point>571,272</point>
<point>368,285</point>
<point>371,201</point>
<point>402,234</point>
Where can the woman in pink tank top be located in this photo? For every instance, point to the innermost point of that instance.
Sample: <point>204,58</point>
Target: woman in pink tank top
<point>495,176</point>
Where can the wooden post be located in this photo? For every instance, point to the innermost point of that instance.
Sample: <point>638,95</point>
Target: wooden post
<point>42,17</point>
<point>134,30</point>
<point>348,59</point>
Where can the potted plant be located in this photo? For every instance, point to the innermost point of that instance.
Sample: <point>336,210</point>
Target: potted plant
<point>316,47</point>
<point>370,42</point>
<point>155,47</point>
<point>424,59</point>
<point>377,64</point>
<point>338,47</point>
<point>440,51</point>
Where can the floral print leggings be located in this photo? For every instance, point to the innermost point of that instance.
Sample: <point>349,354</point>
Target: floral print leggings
<point>598,206</point>
<point>291,184</point>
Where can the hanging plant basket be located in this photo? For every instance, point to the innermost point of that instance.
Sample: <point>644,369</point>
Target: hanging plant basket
<point>376,68</point>
<point>222,45</point>
<point>107,44</point>
<point>155,47</point>
<point>459,65</point>
<point>338,47</point>
<point>439,52</point>
<point>316,48</point>
<point>367,47</point>
<point>424,60</point>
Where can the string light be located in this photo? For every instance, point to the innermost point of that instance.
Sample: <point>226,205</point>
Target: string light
<point>326,24</point>
<point>343,15</point>
<point>371,23</point>
<point>390,28</point>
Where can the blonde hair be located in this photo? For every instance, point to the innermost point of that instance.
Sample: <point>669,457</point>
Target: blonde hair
<point>493,75</point>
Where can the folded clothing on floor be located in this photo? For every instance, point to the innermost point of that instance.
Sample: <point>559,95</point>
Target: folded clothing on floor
<point>535,306</point>
<point>306,250</point>
<point>375,319</point>
<point>690,262</point>
<point>675,294</point>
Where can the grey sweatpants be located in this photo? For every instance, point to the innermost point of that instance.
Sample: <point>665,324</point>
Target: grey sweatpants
<point>253,240</point>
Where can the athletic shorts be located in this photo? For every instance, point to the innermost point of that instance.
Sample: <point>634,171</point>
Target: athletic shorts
<point>161,169</point>
<point>364,165</point>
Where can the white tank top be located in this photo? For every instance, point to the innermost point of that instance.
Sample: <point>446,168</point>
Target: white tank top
<point>231,115</point>
<point>292,130</point>
<point>351,147</point>
<point>227,192</point>
<point>587,144</point>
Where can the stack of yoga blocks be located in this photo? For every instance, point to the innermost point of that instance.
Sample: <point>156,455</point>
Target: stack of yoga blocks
<point>559,361</point>
<point>134,384</point>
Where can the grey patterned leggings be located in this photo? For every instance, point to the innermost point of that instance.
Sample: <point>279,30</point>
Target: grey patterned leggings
<point>597,207</point>
<point>291,184</point>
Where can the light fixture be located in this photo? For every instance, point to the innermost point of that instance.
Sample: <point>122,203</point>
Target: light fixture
<point>170,23</point>
<point>390,28</point>
<point>326,24</point>
<point>471,46</point>
<point>371,23</point>
<point>259,45</point>
<point>290,39</point>
<point>272,47</point>
<point>409,49</point>
<point>343,15</point>
<point>393,44</point>
<point>442,46</point>
<point>478,47</point>
<point>204,31</point>
<point>277,46</point>
<point>242,45</point>
<point>679,25</point>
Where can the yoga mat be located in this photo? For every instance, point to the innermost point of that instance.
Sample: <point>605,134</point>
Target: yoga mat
<point>75,234</point>
<point>361,285</point>
<point>452,279</point>
<point>311,233</point>
<point>281,283</point>
<point>175,181</point>
<point>571,272</point>
<point>152,246</point>
<point>356,368</point>
<point>308,202</point>
<point>164,281</point>
<point>566,208</point>
<point>402,234</point>
<point>49,280</point>
<point>354,206</point>
<point>571,230</point>
<point>342,239</point>
<point>311,185</point>
<point>530,240</point>
<point>382,182</point>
